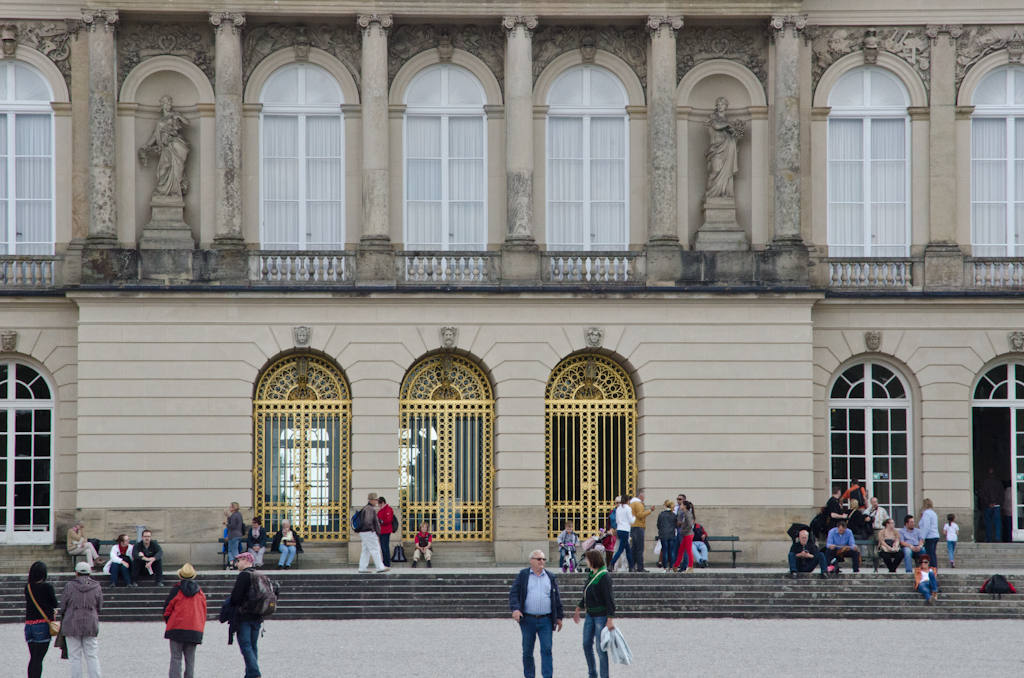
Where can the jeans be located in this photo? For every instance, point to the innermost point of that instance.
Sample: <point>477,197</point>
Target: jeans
<point>287,555</point>
<point>178,652</point>
<point>38,638</point>
<point>806,564</point>
<point>666,552</point>
<point>532,628</point>
<point>385,544</point>
<point>951,548</point>
<point>928,586</point>
<point>685,551</point>
<point>233,548</point>
<point>993,524</point>
<point>908,557</point>
<point>371,548</point>
<point>637,533</point>
<point>623,547</point>
<point>929,548</point>
<point>248,635</point>
<point>84,651</point>
<point>257,554</point>
<point>118,571</point>
<point>592,637</point>
<point>700,552</point>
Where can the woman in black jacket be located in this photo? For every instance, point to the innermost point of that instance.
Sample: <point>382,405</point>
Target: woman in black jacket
<point>599,603</point>
<point>37,616</point>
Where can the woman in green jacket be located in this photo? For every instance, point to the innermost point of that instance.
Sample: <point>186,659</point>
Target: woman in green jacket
<point>599,604</point>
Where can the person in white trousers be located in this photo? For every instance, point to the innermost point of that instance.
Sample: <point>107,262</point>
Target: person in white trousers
<point>369,533</point>
<point>80,604</point>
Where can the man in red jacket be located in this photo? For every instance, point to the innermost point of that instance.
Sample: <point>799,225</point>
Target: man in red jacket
<point>185,614</point>
<point>387,528</point>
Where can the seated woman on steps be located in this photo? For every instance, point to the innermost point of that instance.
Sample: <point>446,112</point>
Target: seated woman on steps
<point>925,582</point>
<point>889,545</point>
<point>288,542</point>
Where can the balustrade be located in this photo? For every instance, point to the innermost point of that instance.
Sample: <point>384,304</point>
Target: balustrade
<point>983,273</point>
<point>600,268</point>
<point>300,267</point>
<point>449,268</point>
<point>19,271</point>
<point>871,273</point>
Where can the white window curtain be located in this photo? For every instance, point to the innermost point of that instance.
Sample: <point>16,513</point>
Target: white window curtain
<point>868,169</point>
<point>445,161</point>
<point>26,162</point>
<point>997,165</point>
<point>587,171</point>
<point>302,161</point>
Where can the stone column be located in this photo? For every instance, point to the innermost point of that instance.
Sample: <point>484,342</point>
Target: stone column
<point>664,263</point>
<point>375,263</point>
<point>102,27</point>
<point>228,122</point>
<point>943,259</point>
<point>520,254</point>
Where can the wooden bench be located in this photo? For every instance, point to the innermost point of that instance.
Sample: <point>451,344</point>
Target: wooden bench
<point>732,546</point>
<point>224,553</point>
<point>105,555</point>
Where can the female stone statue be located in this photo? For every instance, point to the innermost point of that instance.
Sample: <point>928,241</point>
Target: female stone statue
<point>167,142</point>
<point>721,154</point>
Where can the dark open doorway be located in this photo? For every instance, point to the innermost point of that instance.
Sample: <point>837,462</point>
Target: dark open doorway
<point>991,450</point>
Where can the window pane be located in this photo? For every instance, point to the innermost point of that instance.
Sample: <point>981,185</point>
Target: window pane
<point>466,137</point>
<point>424,137</point>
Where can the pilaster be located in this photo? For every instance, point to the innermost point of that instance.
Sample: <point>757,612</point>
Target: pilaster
<point>102,26</point>
<point>228,123</point>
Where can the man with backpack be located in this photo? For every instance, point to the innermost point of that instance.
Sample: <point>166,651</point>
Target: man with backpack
<point>367,524</point>
<point>253,598</point>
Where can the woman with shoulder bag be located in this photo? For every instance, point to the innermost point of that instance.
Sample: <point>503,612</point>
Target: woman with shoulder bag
<point>40,620</point>
<point>599,603</point>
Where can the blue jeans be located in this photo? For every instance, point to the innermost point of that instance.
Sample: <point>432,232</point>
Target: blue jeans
<point>532,628</point>
<point>287,554</point>
<point>951,547</point>
<point>806,564</point>
<point>623,546</point>
<point>908,557</point>
<point>666,552</point>
<point>928,586</point>
<point>233,548</point>
<point>248,636</point>
<point>117,570</point>
<point>993,524</point>
<point>385,544</point>
<point>700,552</point>
<point>592,636</point>
<point>563,553</point>
<point>929,547</point>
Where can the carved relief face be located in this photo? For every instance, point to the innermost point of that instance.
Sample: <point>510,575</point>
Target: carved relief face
<point>1016,341</point>
<point>302,335</point>
<point>873,339</point>
<point>594,335</point>
<point>448,337</point>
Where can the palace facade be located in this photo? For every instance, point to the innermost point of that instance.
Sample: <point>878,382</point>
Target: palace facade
<point>502,264</point>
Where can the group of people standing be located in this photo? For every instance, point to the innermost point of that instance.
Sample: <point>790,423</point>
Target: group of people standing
<point>683,542</point>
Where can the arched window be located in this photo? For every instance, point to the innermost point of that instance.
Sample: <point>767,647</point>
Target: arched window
<point>869,409</point>
<point>445,161</point>
<point>997,165</point>
<point>26,455</point>
<point>302,151</point>
<point>868,167</point>
<point>303,423</point>
<point>445,449</point>
<point>26,161</point>
<point>590,410</point>
<point>998,437</point>
<point>587,162</point>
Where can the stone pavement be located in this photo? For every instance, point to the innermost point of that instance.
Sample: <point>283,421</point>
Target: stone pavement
<point>462,648</point>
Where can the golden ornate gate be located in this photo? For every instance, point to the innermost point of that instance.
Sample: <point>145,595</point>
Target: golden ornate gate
<point>591,439</point>
<point>302,413</point>
<point>445,449</point>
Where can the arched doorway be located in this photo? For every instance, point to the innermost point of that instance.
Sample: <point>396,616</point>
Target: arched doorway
<point>446,464</point>
<point>590,407</point>
<point>870,438</point>
<point>302,413</point>
<point>998,442</point>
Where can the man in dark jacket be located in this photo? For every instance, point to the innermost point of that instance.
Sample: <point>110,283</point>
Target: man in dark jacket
<point>804,556</point>
<point>666,533</point>
<point>248,624</point>
<point>147,555</point>
<point>369,534</point>
<point>185,615</point>
<point>536,605</point>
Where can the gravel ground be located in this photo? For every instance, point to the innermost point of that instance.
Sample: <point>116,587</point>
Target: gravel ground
<point>470,648</point>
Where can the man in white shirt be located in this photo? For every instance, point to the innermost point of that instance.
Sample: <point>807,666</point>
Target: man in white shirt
<point>536,606</point>
<point>878,514</point>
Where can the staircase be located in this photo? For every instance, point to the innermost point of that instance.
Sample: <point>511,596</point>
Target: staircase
<point>983,556</point>
<point>422,594</point>
<point>16,559</point>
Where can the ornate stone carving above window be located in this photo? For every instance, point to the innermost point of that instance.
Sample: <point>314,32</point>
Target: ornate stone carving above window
<point>138,42</point>
<point>483,42</point>
<point>260,42</point>
<point>8,341</point>
<point>49,38</point>
<point>977,42</point>
<point>831,43</point>
<point>748,46</point>
<point>629,44</point>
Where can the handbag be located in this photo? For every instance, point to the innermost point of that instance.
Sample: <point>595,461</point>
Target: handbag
<point>399,555</point>
<point>54,625</point>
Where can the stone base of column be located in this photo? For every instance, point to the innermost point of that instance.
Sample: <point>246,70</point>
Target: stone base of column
<point>785,262</point>
<point>664,262</point>
<point>102,242</point>
<point>943,267</point>
<point>520,264</point>
<point>228,242</point>
<point>720,231</point>
<point>375,263</point>
<point>107,265</point>
<point>228,265</point>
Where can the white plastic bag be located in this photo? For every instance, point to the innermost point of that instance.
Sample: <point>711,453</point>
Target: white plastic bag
<point>657,547</point>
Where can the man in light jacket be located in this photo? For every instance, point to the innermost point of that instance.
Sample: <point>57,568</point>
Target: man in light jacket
<point>369,534</point>
<point>536,605</point>
<point>640,512</point>
<point>80,604</point>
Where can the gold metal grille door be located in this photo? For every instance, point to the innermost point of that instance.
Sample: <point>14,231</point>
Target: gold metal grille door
<point>302,413</point>
<point>445,449</point>
<point>591,439</point>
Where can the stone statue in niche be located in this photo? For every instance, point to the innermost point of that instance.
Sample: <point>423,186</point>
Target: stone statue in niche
<point>168,143</point>
<point>720,230</point>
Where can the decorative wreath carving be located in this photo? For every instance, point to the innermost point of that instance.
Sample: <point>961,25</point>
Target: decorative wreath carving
<point>302,378</point>
<point>445,377</point>
<point>589,377</point>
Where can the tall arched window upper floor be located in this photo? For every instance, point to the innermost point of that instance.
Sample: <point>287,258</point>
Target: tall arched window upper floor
<point>997,164</point>
<point>445,163</point>
<point>868,172</point>
<point>587,161</point>
<point>302,160</point>
<point>27,169</point>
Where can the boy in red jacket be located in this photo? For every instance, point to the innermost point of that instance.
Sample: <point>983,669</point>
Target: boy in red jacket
<point>387,527</point>
<point>185,614</point>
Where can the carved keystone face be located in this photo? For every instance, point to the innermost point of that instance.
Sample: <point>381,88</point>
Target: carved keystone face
<point>873,339</point>
<point>1016,340</point>
<point>302,335</point>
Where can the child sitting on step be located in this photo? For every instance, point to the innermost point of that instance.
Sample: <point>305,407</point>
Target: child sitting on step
<point>421,543</point>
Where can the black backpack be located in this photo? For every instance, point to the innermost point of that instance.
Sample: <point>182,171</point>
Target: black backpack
<point>997,585</point>
<point>262,598</point>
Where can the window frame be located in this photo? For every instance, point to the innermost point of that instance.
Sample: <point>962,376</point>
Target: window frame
<point>303,111</point>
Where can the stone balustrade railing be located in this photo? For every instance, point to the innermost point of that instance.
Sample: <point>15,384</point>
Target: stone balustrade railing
<point>449,268</point>
<point>602,268</point>
<point>875,273</point>
<point>29,271</point>
<point>993,273</point>
<point>322,268</point>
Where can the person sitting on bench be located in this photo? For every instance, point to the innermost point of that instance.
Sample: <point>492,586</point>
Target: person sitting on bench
<point>912,542</point>
<point>804,556</point>
<point>889,548</point>
<point>839,544</point>
<point>147,556</point>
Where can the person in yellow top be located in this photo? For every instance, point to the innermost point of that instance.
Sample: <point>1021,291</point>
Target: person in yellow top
<point>925,581</point>
<point>636,533</point>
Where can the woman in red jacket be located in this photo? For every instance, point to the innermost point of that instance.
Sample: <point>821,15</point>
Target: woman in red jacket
<point>387,528</point>
<point>185,614</point>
